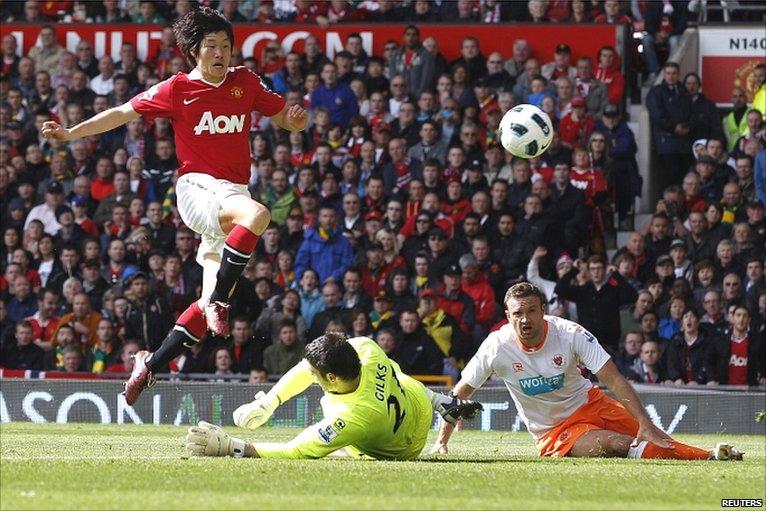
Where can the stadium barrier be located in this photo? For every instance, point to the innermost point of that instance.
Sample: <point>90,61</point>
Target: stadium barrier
<point>253,37</point>
<point>675,410</point>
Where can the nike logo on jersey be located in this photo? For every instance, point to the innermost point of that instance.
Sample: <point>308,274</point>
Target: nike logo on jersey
<point>190,101</point>
<point>541,384</point>
<point>235,262</point>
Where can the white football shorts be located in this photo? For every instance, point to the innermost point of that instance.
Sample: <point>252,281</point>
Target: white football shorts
<point>199,198</point>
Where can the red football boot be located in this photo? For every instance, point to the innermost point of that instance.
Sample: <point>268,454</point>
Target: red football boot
<point>140,377</point>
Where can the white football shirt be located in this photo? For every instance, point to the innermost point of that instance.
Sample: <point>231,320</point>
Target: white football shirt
<point>545,382</point>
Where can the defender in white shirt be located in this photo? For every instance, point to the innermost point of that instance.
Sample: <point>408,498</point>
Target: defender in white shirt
<point>537,356</point>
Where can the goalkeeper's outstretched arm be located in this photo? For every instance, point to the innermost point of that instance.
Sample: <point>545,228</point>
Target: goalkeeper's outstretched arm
<point>463,391</point>
<point>316,441</point>
<point>293,382</point>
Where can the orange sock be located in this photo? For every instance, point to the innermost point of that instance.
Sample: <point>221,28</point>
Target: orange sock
<point>681,452</point>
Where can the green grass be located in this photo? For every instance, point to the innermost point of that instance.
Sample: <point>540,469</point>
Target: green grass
<point>80,466</point>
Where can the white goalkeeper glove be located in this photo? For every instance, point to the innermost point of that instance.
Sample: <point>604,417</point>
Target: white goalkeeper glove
<point>255,414</point>
<point>206,439</point>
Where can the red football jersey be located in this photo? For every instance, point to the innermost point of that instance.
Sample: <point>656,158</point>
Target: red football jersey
<point>590,181</point>
<point>211,122</point>
<point>738,362</point>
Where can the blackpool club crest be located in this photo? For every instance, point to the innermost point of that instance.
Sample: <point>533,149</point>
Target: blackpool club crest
<point>558,360</point>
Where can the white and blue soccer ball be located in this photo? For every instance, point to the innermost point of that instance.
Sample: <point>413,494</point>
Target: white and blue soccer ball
<point>525,131</point>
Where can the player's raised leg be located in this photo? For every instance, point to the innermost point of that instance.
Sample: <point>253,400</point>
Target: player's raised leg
<point>244,220</point>
<point>189,329</point>
<point>238,214</point>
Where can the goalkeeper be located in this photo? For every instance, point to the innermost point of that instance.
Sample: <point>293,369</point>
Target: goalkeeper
<point>371,408</point>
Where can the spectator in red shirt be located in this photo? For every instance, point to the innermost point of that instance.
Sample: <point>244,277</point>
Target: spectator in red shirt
<point>486,97</point>
<point>431,204</point>
<point>456,206</point>
<point>22,258</point>
<point>102,185</point>
<point>585,178</point>
<point>375,272</point>
<point>476,285</point>
<point>129,349</point>
<point>612,14</point>
<point>558,10</point>
<point>692,199</point>
<point>80,210</point>
<point>577,125</point>
<point>165,52</point>
<point>340,11</point>
<point>608,72</point>
<point>45,321</point>
<point>738,358</point>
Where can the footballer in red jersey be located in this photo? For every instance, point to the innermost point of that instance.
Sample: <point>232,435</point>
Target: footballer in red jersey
<point>210,108</point>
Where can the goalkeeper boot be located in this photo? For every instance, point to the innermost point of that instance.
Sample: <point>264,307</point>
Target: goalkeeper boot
<point>217,318</point>
<point>140,378</point>
<point>458,409</point>
<point>725,452</point>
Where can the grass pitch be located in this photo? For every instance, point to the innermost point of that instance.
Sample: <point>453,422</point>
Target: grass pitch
<point>80,466</point>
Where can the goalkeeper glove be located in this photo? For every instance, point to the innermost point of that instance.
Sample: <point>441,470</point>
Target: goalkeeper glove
<point>453,409</point>
<point>255,414</point>
<point>206,439</point>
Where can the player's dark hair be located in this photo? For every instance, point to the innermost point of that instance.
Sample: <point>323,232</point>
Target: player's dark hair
<point>356,271</point>
<point>690,310</point>
<point>44,291</point>
<point>376,60</point>
<point>651,312</point>
<point>596,259</point>
<point>745,157</point>
<point>24,324</point>
<point>525,290</point>
<point>331,353</point>
<point>327,205</point>
<point>193,26</point>
<point>240,318</point>
<point>432,162</point>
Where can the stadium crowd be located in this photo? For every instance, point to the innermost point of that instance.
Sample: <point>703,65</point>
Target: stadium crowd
<point>397,214</point>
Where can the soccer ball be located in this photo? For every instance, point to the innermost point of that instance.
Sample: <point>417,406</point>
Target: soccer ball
<point>525,131</point>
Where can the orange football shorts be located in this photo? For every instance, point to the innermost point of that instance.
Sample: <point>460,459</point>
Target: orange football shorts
<point>600,412</point>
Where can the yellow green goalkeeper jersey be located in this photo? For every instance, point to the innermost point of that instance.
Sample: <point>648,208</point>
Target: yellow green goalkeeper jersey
<point>387,417</point>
